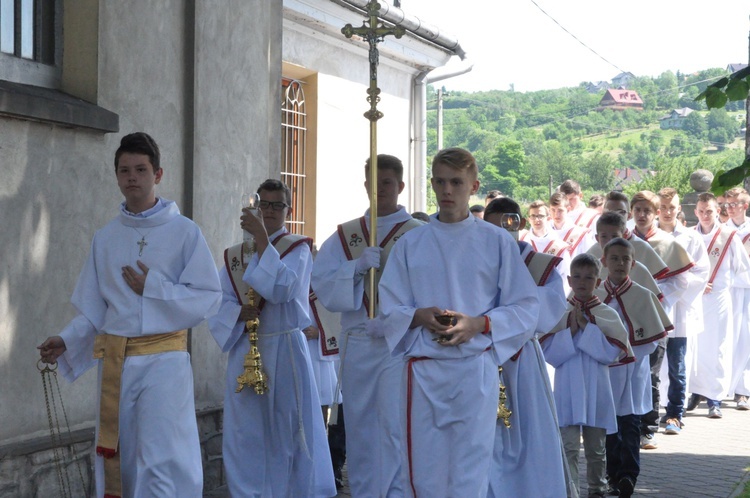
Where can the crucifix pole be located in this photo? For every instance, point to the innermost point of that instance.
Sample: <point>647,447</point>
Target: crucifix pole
<point>373,32</point>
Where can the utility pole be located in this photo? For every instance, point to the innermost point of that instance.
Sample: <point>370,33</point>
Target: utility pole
<point>440,118</point>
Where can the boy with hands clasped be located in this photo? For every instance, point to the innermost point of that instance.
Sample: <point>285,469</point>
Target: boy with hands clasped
<point>588,339</point>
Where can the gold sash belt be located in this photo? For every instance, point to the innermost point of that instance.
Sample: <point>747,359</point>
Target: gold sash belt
<point>112,350</point>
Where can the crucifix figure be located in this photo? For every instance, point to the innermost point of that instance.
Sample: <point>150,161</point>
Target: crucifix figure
<point>373,31</point>
<point>142,243</point>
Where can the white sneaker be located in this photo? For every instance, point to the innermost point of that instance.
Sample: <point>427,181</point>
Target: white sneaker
<point>648,442</point>
<point>714,412</point>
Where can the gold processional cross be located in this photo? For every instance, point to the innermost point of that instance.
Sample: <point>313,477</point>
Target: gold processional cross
<point>373,31</point>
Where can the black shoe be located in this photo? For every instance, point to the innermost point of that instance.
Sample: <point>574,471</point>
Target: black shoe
<point>612,490</point>
<point>626,487</point>
<point>693,402</point>
<point>338,477</point>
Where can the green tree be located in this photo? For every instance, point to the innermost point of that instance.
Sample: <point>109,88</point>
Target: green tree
<point>684,145</point>
<point>695,126</point>
<point>722,128</point>
<point>598,172</point>
<point>507,169</point>
<point>667,96</point>
<point>670,172</point>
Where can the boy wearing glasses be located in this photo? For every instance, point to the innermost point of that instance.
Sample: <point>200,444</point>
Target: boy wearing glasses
<point>736,205</point>
<point>529,443</point>
<point>274,442</point>
<point>545,240</point>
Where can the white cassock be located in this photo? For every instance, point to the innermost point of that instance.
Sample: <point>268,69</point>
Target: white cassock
<point>274,443</point>
<point>712,372</point>
<point>740,382</point>
<point>451,392</point>
<point>583,216</point>
<point>532,442</point>
<point>583,392</point>
<point>580,239</point>
<point>157,407</point>
<point>370,377</point>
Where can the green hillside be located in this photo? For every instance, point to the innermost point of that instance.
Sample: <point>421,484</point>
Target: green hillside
<point>526,142</point>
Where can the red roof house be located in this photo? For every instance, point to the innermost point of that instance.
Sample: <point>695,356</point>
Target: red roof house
<point>620,99</point>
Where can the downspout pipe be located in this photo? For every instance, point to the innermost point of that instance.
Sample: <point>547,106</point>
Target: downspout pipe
<point>433,35</point>
<point>419,144</point>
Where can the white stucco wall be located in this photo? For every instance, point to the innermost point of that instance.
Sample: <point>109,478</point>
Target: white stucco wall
<point>57,184</point>
<point>344,145</point>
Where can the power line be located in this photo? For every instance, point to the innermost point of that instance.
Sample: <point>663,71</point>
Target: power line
<point>576,38</point>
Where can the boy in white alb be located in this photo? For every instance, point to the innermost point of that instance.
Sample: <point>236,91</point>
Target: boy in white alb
<point>643,206</point>
<point>611,225</point>
<point>526,444</point>
<point>458,302</point>
<point>132,324</point>
<point>578,213</point>
<point>545,240</point>
<point>274,441</point>
<point>646,323</point>
<point>578,238</point>
<point>687,311</point>
<point>711,377</point>
<point>585,342</point>
<point>618,203</point>
<point>737,200</point>
<point>371,378</point>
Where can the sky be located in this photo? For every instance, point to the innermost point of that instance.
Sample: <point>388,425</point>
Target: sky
<point>512,42</point>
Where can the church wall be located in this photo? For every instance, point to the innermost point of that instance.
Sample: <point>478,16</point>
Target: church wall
<point>210,101</point>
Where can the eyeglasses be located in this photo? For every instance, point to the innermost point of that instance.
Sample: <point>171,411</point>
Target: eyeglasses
<point>276,206</point>
<point>729,205</point>
<point>537,216</point>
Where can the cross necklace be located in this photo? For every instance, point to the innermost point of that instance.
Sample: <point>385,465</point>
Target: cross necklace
<point>141,243</point>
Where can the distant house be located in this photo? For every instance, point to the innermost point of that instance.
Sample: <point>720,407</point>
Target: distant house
<point>620,99</point>
<point>733,68</point>
<point>625,176</point>
<point>597,87</point>
<point>622,80</point>
<point>675,120</point>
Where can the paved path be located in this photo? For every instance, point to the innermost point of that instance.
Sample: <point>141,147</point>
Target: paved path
<point>710,458</point>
